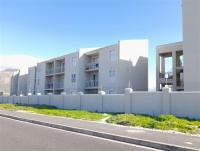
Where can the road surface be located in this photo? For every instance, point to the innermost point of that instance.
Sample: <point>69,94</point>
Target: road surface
<point>21,136</point>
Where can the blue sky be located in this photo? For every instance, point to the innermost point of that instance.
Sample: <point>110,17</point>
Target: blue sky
<point>48,28</point>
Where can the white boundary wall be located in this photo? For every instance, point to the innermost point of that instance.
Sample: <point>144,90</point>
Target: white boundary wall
<point>181,104</point>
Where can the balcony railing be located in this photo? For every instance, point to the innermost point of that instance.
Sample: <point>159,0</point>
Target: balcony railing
<point>59,69</point>
<point>49,71</point>
<point>91,84</point>
<point>162,75</point>
<point>49,85</point>
<point>92,66</point>
<point>59,85</point>
<point>180,83</point>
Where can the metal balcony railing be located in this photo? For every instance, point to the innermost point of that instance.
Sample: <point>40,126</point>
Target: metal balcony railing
<point>49,85</point>
<point>162,75</point>
<point>49,71</point>
<point>59,85</point>
<point>91,84</point>
<point>59,69</point>
<point>92,66</point>
<point>180,83</point>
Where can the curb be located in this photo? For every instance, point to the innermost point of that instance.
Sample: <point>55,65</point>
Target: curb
<point>130,140</point>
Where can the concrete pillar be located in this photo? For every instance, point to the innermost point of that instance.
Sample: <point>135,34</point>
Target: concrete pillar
<point>20,99</point>
<point>162,61</point>
<point>166,99</point>
<point>128,100</point>
<point>1,99</point>
<point>80,99</point>
<point>63,99</point>
<point>174,69</point>
<point>50,96</point>
<point>100,101</point>
<point>157,70</point>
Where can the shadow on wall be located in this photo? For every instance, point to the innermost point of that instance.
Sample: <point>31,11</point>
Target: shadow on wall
<point>137,74</point>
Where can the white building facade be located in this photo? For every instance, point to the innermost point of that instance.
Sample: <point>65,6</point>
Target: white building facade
<point>110,69</point>
<point>184,77</point>
<point>191,44</point>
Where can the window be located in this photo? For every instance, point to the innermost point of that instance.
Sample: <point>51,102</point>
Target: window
<point>74,61</point>
<point>112,74</point>
<point>112,55</point>
<point>73,78</point>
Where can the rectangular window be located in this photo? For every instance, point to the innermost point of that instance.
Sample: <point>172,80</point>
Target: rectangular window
<point>113,55</point>
<point>73,78</point>
<point>74,61</point>
<point>112,74</point>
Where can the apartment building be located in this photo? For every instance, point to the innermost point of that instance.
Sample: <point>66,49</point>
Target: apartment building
<point>19,84</point>
<point>182,77</point>
<point>171,56</point>
<point>5,81</point>
<point>111,69</point>
<point>191,44</point>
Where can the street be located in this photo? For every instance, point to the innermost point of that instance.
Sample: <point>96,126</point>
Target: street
<point>20,136</point>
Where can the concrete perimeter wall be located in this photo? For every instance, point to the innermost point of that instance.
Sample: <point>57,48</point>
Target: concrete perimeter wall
<point>181,104</point>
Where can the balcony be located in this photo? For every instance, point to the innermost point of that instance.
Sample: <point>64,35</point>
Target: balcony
<point>59,69</point>
<point>49,86</point>
<point>49,72</point>
<point>59,85</point>
<point>169,74</point>
<point>94,66</point>
<point>91,84</point>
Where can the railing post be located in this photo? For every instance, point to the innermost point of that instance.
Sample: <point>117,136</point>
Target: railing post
<point>100,100</point>
<point>166,100</point>
<point>128,100</point>
<point>80,99</point>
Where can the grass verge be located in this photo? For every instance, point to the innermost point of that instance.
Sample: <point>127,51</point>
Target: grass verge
<point>162,122</point>
<point>50,110</point>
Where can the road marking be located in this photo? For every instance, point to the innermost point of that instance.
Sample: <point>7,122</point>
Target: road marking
<point>75,133</point>
<point>189,143</point>
<point>135,131</point>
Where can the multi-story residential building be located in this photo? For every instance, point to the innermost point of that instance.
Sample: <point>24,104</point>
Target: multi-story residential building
<point>111,68</point>
<point>31,80</point>
<point>191,44</point>
<point>187,51</point>
<point>170,55</point>
<point>5,81</point>
<point>19,84</point>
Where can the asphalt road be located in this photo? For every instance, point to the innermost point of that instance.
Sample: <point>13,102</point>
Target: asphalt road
<point>21,136</point>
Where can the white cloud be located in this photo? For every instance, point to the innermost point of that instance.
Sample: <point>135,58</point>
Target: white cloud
<point>21,62</point>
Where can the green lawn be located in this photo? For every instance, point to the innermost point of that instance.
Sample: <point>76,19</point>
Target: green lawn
<point>50,110</point>
<point>163,122</point>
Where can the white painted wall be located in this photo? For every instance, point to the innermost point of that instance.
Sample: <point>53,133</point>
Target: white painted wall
<point>72,102</point>
<point>105,64</point>
<point>31,81</point>
<point>133,64</point>
<point>185,104</point>
<point>147,103</point>
<point>113,103</point>
<point>191,44</point>
<point>181,104</point>
<point>40,78</point>
<point>22,84</point>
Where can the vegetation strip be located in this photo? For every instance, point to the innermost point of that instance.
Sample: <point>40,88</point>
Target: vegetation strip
<point>162,122</point>
<point>50,110</point>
